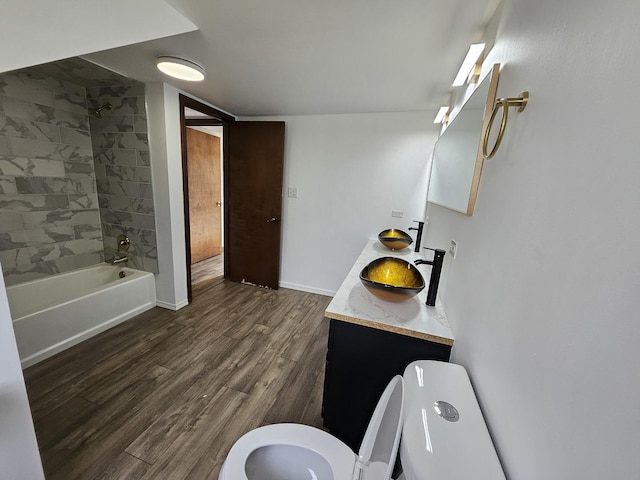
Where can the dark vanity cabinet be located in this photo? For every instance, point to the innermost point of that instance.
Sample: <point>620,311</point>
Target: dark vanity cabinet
<point>360,362</point>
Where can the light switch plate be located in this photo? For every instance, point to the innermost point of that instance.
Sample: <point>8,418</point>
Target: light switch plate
<point>292,192</point>
<point>453,248</point>
<point>397,213</point>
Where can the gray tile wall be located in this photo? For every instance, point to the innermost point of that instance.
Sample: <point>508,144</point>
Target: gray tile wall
<point>123,173</point>
<point>70,182</point>
<point>49,217</point>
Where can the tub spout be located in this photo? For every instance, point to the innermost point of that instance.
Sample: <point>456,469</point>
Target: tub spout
<point>119,260</point>
<point>436,269</point>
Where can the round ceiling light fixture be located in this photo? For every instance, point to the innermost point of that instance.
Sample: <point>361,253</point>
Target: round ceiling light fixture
<point>180,68</point>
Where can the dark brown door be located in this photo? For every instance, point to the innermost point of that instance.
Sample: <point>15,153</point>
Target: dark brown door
<point>254,185</point>
<point>203,158</point>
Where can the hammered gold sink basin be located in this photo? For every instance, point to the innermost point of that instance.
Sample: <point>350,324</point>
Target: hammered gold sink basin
<point>394,239</point>
<point>392,279</point>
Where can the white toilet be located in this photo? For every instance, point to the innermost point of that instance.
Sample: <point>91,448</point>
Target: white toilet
<point>288,451</point>
<point>444,437</point>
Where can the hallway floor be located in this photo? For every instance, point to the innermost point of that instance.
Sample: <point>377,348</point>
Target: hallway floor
<point>207,270</point>
<point>166,394</point>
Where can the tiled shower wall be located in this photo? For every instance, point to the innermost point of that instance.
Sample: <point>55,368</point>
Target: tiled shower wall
<point>51,217</point>
<point>123,173</point>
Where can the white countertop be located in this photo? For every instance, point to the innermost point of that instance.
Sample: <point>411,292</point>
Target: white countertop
<point>353,303</point>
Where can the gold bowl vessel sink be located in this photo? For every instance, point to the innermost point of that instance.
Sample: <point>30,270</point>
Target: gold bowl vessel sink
<point>394,239</point>
<point>392,279</point>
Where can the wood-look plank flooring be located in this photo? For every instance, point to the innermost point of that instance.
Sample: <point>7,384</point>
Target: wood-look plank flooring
<point>207,270</point>
<point>166,394</point>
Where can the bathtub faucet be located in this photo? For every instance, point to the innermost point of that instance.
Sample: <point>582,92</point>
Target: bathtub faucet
<point>436,269</point>
<point>117,260</point>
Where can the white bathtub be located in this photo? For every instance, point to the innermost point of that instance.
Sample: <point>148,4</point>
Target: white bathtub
<point>54,313</point>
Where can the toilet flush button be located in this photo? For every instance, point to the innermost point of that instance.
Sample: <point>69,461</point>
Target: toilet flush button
<point>446,411</point>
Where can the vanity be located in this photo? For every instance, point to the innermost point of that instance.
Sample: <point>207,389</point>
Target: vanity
<point>371,340</point>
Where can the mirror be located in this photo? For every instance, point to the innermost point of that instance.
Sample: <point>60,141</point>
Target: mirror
<point>457,156</point>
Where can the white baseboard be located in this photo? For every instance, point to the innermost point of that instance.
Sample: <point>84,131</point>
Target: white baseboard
<point>306,288</point>
<point>172,306</point>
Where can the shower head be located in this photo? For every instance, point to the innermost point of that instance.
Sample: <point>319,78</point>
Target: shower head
<point>97,111</point>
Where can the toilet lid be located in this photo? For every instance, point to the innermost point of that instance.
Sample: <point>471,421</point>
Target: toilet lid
<point>379,447</point>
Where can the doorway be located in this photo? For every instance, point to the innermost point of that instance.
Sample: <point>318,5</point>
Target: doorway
<point>252,175</point>
<point>206,219</point>
<point>203,131</point>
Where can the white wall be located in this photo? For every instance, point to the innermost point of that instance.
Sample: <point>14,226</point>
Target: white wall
<point>163,111</point>
<point>351,171</point>
<point>19,457</point>
<point>543,295</point>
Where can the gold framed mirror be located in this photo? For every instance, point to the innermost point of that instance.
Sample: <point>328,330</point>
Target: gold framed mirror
<point>457,155</point>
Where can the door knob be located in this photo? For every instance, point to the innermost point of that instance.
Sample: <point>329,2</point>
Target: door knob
<point>219,204</point>
<point>272,219</point>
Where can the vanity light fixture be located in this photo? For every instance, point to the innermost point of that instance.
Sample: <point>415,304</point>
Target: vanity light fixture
<point>468,63</point>
<point>180,68</point>
<point>442,114</point>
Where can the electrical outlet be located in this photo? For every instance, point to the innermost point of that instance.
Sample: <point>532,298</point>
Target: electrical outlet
<point>453,248</point>
<point>293,192</point>
<point>397,213</point>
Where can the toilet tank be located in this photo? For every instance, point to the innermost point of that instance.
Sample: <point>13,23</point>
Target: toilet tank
<point>444,435</point>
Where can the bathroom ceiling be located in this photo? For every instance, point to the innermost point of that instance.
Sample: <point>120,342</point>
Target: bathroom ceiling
<point>36,31</point>
<point>283,57</point>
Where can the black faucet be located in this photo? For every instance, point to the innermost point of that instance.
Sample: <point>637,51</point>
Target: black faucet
<point>419,228</point>
<point>436,269</point>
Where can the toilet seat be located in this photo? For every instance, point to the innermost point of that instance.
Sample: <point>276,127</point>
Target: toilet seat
<point>287,451</point>
<point>338,455</point>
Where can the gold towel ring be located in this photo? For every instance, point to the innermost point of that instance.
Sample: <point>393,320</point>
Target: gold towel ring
<point>505,103</point>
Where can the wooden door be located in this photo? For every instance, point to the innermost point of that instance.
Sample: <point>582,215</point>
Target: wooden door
<point>254,186</point>
<point>203,160</point>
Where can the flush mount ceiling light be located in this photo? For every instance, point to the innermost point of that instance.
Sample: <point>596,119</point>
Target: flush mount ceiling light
<point>468,63</point>
<point>180,68</point>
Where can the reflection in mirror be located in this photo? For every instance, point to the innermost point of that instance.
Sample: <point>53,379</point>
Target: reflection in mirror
<point>457,156</point>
